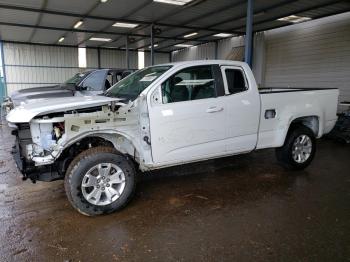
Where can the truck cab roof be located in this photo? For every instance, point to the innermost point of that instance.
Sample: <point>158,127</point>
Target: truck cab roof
<point>205,62</point>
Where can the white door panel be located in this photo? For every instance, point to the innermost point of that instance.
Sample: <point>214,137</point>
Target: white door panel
<point>187,130</point>
<point>242,112</point>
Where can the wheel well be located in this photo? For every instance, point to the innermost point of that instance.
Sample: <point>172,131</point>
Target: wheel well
<point>75,149</point>
<point>311,122</point>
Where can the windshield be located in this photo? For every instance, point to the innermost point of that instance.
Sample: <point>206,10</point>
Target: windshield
<point>76,78</point>
<point>131,86</point>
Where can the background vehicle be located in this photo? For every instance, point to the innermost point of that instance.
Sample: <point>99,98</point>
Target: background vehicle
<point>91,82</point>
<point>163,116</point>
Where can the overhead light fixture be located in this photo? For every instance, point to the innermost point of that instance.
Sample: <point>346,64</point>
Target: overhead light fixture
<point>125,25</point>
<point>294,19</point>
<point>104,1</point>
<point>183,45</point>
<point>190,35</point>
<point>77,24</point>
<point>61,39</point>
<point>173,2</point>
<point>223,35</point>
<point>100,39</point>
<point>155,45</point>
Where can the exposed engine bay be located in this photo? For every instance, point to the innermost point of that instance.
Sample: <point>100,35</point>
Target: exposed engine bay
<point>47,144</point>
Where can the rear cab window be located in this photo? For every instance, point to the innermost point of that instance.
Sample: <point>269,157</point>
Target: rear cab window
<point>235,81</point>
<point>192,83</point>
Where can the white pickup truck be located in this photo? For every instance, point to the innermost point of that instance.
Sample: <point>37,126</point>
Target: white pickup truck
<point>163,116</point>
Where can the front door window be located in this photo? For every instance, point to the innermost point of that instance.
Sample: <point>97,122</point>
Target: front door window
<point>189,84</point>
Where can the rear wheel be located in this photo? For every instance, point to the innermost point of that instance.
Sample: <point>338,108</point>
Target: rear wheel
<point>298,150</point>
<point>99,181</point>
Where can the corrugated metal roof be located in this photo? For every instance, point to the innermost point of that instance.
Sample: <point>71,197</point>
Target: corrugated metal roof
<point>45,21</point>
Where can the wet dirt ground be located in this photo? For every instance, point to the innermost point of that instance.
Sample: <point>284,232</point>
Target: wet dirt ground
<point>242,208</point>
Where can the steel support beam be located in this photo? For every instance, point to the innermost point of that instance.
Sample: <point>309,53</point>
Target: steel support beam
<point>156,23</point>
<point>259,22</point>
<point>216,55</point>
<point>198,17</point>
<point>234,19</point>
<point>93,31</point>
<point>152,44</point>
<point>99,58</point>
<point>130,13</point>
<point>2,55</point>
<point>112,19</point>
<point>127,52</point>
<point>75,46</point>
<point>295,12</point>
<point>248,50</point>
<point>170,57</point>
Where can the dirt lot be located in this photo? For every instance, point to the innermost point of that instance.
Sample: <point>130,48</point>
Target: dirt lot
<point>243,208</point>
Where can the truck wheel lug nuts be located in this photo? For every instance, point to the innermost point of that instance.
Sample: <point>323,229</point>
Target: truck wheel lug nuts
<point>108,185</point>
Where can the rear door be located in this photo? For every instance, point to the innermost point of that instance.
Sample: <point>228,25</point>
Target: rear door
<point>188,124</point>
<point>243,110</point>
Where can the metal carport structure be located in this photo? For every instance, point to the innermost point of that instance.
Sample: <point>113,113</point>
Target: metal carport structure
<point>150,25</point>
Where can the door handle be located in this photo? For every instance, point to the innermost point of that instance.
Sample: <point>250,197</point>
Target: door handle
<point>214,109</point>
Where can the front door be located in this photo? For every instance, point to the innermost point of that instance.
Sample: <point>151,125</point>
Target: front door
<point>189,122</point>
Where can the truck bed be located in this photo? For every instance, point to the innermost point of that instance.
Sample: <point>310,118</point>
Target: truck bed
<point>288,104</point>
<point>269,90</point>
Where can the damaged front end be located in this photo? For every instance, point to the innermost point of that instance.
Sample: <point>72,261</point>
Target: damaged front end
<point>49,142</point>
<point>34,149</point>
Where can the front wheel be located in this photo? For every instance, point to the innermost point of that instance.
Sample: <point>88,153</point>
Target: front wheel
<point>298,150</point>
<point>99,181</point>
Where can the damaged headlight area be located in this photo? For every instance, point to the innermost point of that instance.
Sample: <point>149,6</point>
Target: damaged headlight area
<point>46,136</point>
<point>36,147</point>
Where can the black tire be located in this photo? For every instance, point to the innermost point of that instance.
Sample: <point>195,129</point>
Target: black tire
<point>284,154</point>
<point>80,166</point>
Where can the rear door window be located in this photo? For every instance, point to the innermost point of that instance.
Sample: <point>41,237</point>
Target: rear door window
<point>235,81</point>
